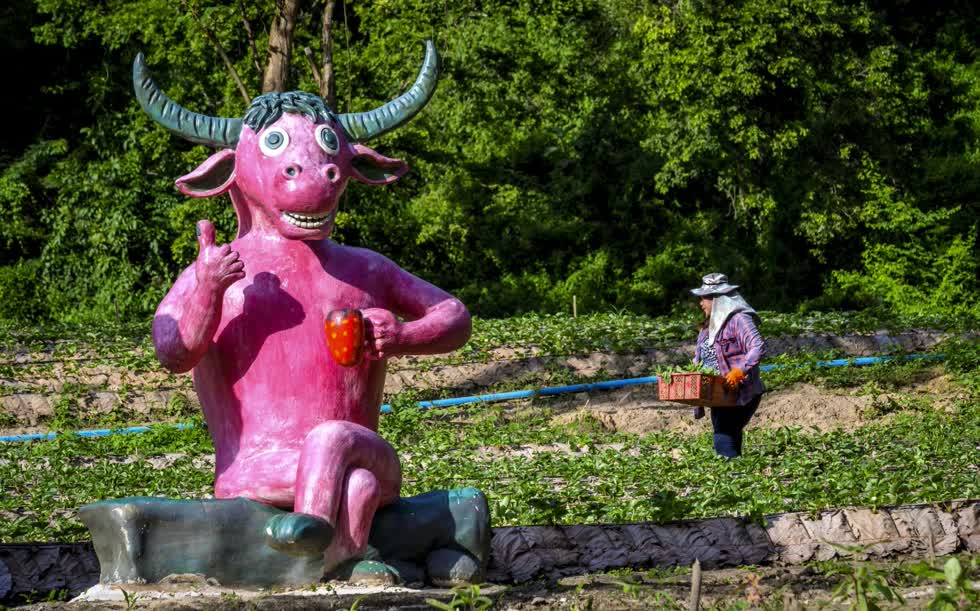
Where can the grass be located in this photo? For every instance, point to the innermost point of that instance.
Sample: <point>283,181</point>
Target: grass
<point>666,476</point>
<point>560,334</point>
<point>817,585</point>
<point>918,455</point>
<point>129,344</point>
<point>71,412</point>
<point>914,457</point>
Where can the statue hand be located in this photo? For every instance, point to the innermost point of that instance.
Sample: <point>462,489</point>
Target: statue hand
<point>381,333</point>
<point>217,267</point>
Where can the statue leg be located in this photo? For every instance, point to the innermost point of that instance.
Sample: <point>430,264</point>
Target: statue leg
<point>345,473</point>
<point>362,499</point>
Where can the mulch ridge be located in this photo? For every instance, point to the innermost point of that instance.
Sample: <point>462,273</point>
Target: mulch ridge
<point>524,553</point>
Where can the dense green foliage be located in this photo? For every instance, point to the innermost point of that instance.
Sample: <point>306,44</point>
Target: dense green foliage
<point>823,153</point>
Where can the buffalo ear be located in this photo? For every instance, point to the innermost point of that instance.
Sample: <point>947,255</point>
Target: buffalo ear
<point>373,168</point>
<point>213,177</point>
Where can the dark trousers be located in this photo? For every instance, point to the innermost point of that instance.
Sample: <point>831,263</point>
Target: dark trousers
<point>728,423</point>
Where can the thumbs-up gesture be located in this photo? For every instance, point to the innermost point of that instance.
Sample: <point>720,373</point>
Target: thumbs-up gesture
<point>217,267</point>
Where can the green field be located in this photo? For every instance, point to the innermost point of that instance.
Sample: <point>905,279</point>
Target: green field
<point>536,471</point>
<point>551,460</point>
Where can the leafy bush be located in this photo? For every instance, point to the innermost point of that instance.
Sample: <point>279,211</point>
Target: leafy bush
<point>19,298</point>
<point>820,153</point>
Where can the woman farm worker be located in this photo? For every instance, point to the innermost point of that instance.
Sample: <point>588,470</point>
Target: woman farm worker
<point>730,343</point>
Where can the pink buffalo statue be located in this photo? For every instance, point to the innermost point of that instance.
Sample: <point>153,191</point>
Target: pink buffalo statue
<point>292,428</point>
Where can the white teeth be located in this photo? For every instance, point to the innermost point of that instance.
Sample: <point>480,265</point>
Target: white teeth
<point>308,221</point>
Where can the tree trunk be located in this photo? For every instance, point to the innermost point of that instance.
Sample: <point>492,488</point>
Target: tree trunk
<point>328,89</point>
<point>280,45</point>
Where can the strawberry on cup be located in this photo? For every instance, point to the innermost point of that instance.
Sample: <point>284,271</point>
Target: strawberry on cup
<point>345,336</point>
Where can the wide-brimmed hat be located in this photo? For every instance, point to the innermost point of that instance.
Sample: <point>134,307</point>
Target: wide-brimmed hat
<point>714,284</point>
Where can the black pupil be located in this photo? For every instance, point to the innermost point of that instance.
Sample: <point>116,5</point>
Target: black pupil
<point>329,138</point>
<point>274,139</point>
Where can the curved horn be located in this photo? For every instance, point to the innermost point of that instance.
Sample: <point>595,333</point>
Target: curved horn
<point>202,129</point>
<point>361,126</point>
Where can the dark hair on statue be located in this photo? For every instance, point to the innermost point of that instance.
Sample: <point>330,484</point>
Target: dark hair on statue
<point>268,107</point>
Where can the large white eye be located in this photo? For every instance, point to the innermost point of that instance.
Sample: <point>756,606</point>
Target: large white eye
<point>273,141</point>
<point>327,139</point>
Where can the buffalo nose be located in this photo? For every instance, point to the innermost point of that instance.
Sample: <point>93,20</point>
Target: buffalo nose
<point>332,172</point>
<point>292,171</point>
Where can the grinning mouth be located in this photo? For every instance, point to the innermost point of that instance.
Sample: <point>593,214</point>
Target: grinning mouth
<point>308,221</point>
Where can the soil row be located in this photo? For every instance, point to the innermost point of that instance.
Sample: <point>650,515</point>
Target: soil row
<point>93,392</point>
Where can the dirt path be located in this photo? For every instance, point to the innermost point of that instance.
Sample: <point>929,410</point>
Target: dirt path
<point>35,387</point>
<point>800,588</point>
<point>639,412</point>
<point>636,409</point>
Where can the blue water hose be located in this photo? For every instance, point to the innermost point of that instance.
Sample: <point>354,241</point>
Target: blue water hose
<point>504,396</point>
<point>92,433</point>
<point>610,384</point>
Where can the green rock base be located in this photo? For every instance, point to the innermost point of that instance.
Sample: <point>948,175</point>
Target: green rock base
<point>440,538</point>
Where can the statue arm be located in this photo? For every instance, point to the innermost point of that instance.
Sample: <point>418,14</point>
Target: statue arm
<point>435,321</point>
<point>185,323</point>
<point>188,317</point>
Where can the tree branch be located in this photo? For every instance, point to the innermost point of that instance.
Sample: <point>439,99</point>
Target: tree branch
<point>308,52</point>
<point>328,90</point>
<point>251,38</point>
<point>224,56</point>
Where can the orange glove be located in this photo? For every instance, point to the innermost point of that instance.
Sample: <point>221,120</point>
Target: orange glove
<point>735,378</point>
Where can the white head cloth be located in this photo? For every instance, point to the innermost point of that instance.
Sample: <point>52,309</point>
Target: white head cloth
<point>722,308</point>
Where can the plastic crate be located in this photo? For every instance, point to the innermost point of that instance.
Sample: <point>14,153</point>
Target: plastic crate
<point>697,389</point>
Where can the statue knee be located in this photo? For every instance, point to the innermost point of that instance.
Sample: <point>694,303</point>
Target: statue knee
<point>332,450</point>
<point>333,434</point>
